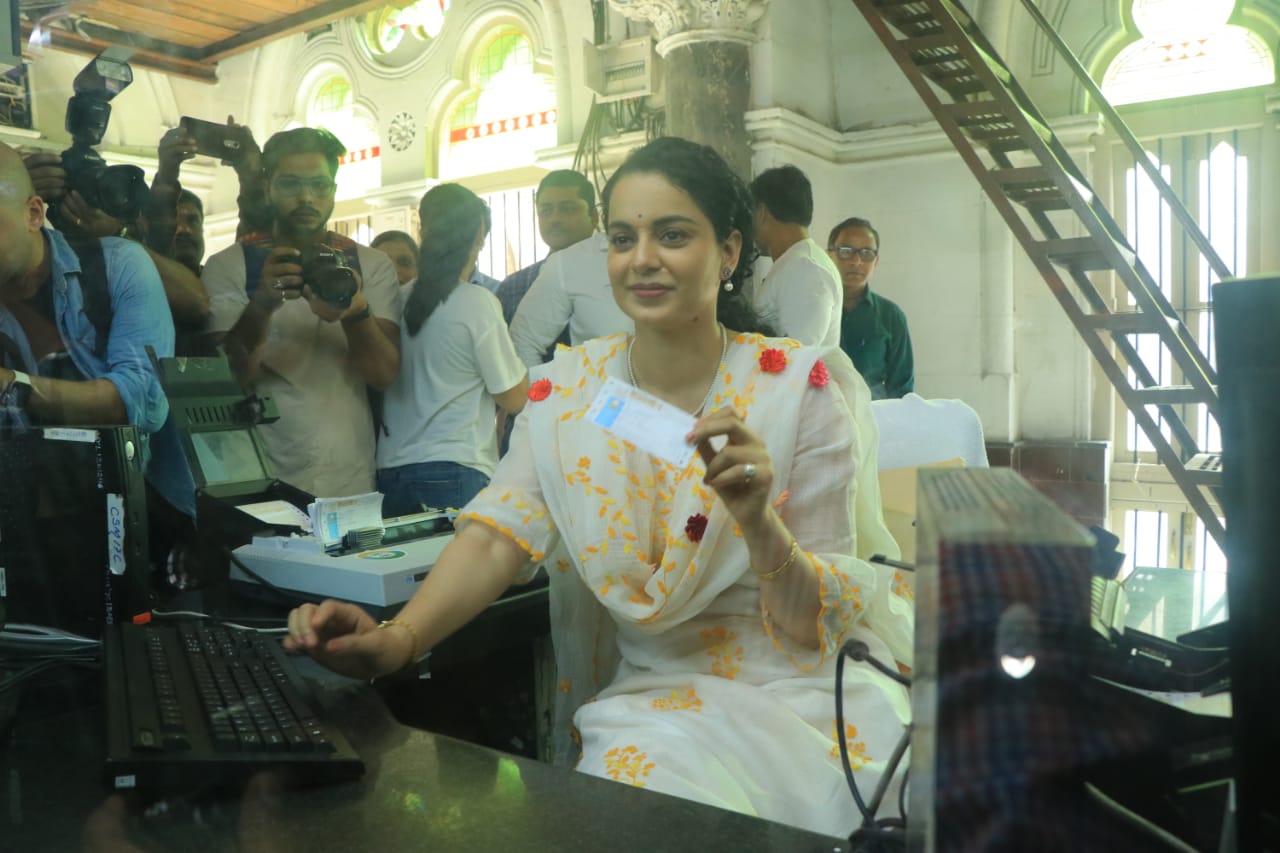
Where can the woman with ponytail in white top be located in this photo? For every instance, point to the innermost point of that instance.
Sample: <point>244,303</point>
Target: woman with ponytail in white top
<point>439,447</point>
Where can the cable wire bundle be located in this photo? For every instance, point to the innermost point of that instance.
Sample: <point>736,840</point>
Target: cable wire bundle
<point>874,833</point>
<point>28,650</point>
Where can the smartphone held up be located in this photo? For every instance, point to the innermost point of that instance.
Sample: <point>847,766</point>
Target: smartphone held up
<point>223,141</point>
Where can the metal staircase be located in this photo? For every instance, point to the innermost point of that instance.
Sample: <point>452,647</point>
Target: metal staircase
<point>1046,201</point>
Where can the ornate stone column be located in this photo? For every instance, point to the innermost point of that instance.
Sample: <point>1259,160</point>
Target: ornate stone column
<point>705,45</point>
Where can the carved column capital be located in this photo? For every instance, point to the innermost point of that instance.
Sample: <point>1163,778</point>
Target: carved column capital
<point>678,22</point>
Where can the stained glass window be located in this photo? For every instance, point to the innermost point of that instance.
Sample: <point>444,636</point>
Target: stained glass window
<point>510,113</point>
<point>388,28</point>
<point>332,106</point>
<point>1187,48</point>
<point>333,96</point>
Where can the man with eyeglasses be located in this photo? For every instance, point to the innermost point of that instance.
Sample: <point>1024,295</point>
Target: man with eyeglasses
<point>873,329</point>
<point>800,294</point>
<point>317,359</point>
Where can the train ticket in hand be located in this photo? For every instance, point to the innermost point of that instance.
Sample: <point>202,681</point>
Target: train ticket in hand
<point>651,424</point>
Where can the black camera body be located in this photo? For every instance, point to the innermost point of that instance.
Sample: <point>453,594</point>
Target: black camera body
<point>326,271</point>
<point>120,191</point>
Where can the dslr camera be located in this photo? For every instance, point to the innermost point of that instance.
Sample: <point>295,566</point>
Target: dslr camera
<point>120,191</point>
<point>325,269</point>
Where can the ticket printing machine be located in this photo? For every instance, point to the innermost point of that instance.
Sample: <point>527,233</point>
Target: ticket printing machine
<point>264,524</point>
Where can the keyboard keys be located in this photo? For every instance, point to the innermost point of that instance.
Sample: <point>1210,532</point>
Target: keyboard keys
<point>249,702</point>
<point>144,724</point>
<point>296,739</point>
<point>176,741</point>
<point>205,702</point>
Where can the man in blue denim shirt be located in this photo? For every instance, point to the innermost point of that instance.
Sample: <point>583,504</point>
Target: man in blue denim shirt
<point>53,371</point>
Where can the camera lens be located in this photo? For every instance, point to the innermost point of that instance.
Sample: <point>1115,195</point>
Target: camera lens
<point>122,192</point>
<point>336,286</point>
<point>326,272</point>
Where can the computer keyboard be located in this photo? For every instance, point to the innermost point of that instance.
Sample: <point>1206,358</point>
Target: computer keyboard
<point>195,704</point>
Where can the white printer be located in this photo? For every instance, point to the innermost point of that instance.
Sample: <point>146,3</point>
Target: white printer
<point>239,501</point>
<point>380,573</point>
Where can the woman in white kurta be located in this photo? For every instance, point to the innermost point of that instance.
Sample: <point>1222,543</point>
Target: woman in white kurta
<point>696,612</point>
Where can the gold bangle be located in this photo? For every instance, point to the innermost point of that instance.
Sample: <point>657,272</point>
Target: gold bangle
<point>791,558</point>
<point>413,639</point>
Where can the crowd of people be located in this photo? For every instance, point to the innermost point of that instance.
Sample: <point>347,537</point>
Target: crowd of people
<point>697,612</point>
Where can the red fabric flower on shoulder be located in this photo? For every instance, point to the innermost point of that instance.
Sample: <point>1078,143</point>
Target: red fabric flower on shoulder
<point>695,527</point>
<point>773,360</point>
<point>540,390</point>
<point>819,375</point>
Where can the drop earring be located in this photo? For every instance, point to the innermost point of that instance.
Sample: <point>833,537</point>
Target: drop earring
<point>725,276</point>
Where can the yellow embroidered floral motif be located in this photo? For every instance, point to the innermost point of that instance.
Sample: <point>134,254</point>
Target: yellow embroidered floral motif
<point>679,700</point>
<point>725,656</point>
<point>534,554</point>
<point>628,764</point>
<point>852,594</point>
<point>858,757</point>
<point>844,609</point>
<point>902,587</point>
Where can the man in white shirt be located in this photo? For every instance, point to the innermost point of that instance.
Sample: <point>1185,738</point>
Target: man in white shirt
<point>316,358</point>
<point>801,294</point>
<point>571,289</point>
<point>566,206</point>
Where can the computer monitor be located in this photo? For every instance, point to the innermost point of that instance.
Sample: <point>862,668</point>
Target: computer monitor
<point>228,456</point>
<point>216,423</point>
<point>1248,359</point>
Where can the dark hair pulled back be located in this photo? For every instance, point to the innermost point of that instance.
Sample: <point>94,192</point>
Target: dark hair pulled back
<point>721,196</point>
<point>450,215</point>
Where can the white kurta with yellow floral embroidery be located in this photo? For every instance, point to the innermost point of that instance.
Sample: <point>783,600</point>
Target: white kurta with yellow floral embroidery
<point>677,678</point>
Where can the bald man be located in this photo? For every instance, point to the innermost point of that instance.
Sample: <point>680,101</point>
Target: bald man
<point>54,369</point>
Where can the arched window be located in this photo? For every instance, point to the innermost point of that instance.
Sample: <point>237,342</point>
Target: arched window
<point>1187,48</point>
<point>332,106</point>
<point>509,114</point>
<point>1213,159</point>
<point>332,98</point>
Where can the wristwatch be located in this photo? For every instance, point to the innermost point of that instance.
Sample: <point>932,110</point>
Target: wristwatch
<point>19,391</point>
<point>359,315</point>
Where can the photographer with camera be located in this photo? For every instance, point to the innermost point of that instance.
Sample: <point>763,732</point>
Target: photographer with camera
<point>88,200</point>
<point>311,319</point>
<point>60,363</point>
<point>76,216</point>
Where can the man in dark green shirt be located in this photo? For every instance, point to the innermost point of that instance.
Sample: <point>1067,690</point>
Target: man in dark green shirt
<point>873,329</point>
